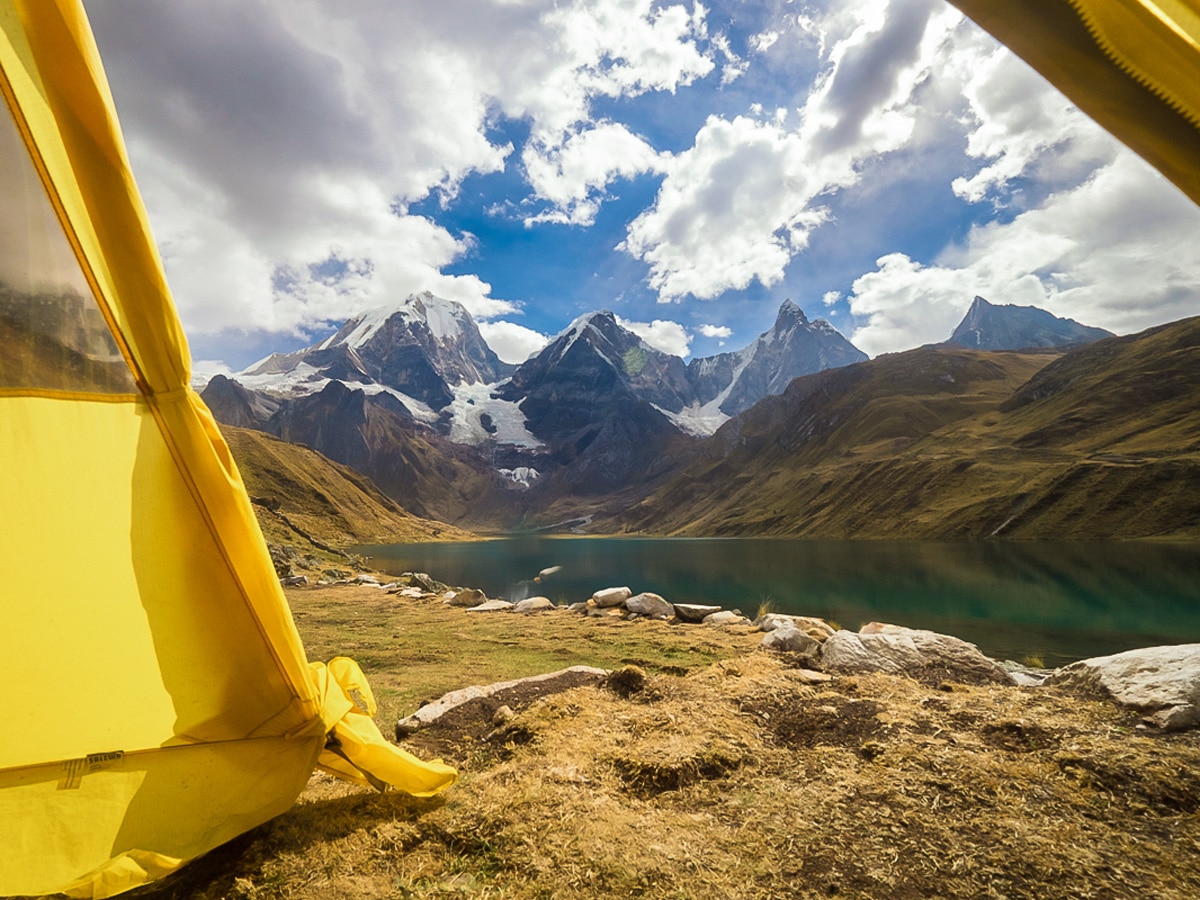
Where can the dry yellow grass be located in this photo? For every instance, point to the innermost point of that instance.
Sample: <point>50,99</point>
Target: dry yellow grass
<point>728,774</point>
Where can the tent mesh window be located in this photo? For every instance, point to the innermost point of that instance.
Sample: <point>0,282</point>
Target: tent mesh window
<point>52,333</point>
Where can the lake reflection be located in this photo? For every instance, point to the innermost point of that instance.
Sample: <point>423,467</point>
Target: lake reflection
<point>1058,601</point>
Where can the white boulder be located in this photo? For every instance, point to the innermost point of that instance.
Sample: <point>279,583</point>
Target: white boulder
<point>1163,682</point>
<point>613,596</point>
<point>908,651</point>
<point>651,605</point>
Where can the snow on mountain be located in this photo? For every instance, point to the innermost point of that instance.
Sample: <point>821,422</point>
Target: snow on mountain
<point>477,417</point>
<point>420,351</point>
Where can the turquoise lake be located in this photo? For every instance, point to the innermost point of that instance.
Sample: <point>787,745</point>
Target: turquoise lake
<point>1055,601</point>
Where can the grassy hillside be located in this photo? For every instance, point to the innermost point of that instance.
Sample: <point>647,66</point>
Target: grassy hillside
<point>333,503</point>
<point>939,442</point>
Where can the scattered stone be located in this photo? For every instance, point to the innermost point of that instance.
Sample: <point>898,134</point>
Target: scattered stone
<point>337,574</point>
<point>694,612</point>
<point>610,613</point>
<point>726,617</point>
<point>790,639</point>
<point>614,596</point>
<point>502,715</point>
<point>412,593</point>
<point>534,604</point>
<point>909,651</point>
<point>771,621</point>
<point>491,606</point>
<point>650,605</point>
<point>580,607</point>
<point>466,597</point>
<point>808,676</point>
<point>367,579</point>
<point>815,628</point>
<point>1024,675</point>
<point>294,580</point>
<point>423,581</point>
<point>550,683</point>
<point>1162,682</point>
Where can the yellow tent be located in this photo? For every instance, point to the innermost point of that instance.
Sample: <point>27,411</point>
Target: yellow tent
<point>157,699</point>
<point>1132,65</point>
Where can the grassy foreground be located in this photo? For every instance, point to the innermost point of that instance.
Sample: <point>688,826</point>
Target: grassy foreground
<point>727,773</point>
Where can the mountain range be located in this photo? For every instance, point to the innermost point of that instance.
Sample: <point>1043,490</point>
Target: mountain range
<point>415,399</point>
<point>796,433</point>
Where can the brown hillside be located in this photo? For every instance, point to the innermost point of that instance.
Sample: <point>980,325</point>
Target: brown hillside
<point>331,502</point>
<point>946,443</point>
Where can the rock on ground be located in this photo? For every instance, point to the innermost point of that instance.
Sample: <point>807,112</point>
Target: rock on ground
<point>908,651</point>
<point>818,629</point>
<point>550,683</point>
<point>613,596</point>
<point>467,597</point>
<point>491,606</point>
<point>789,638</point>
<point>1163,682</point>
<point>694,612</point>
<point>726,617</point>
<point>648,604</point>
<point>533,604</point>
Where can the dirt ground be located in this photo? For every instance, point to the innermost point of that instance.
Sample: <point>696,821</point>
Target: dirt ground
<point>706,768</point>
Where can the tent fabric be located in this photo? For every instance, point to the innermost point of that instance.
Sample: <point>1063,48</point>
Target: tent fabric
<point>159,699</point>
<point>1132,65</point>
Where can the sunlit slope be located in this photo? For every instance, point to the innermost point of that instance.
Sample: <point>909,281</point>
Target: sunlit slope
<point>1103,442</point>
<point>329,501</point>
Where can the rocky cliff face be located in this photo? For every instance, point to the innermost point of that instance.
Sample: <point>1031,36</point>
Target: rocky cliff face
<point>988,326</point>
<point>733,382</point>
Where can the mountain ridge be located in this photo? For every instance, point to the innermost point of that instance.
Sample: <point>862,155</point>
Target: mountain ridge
<point>990,326</point>
<point>1102,441</point>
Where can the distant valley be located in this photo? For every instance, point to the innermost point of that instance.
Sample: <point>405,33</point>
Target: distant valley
<point>1022,425</point>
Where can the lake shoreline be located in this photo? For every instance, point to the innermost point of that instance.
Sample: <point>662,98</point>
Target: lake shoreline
<point>1057,602</point>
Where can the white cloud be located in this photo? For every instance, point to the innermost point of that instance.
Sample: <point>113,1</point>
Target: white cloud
<point>727,212</point>
<point>204,369</point>
<point>574,174</point>
<point>269,137</point>
<point>1118,252</point>
<point>764,41</point>
<point>669,337</point>
<point>716,331</point>
<point>511,342</point>
<point>742,201</point>
<point>1022,124</point>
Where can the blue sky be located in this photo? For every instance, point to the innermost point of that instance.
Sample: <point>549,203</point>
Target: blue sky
<point>687,165</point>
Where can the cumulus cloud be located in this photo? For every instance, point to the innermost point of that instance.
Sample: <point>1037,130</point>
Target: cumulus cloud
<point>1021,124</point>
<point>1084,254</point>
<point>573,175</point>
<point>743,200</point>
<point>716,331</point>
<point>270,137</point>
<point>204,369</point>
<point>511,342</point>
<point>669,337</point>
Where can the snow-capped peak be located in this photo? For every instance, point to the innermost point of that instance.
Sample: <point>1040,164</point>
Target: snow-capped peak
<point>443,318</point>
